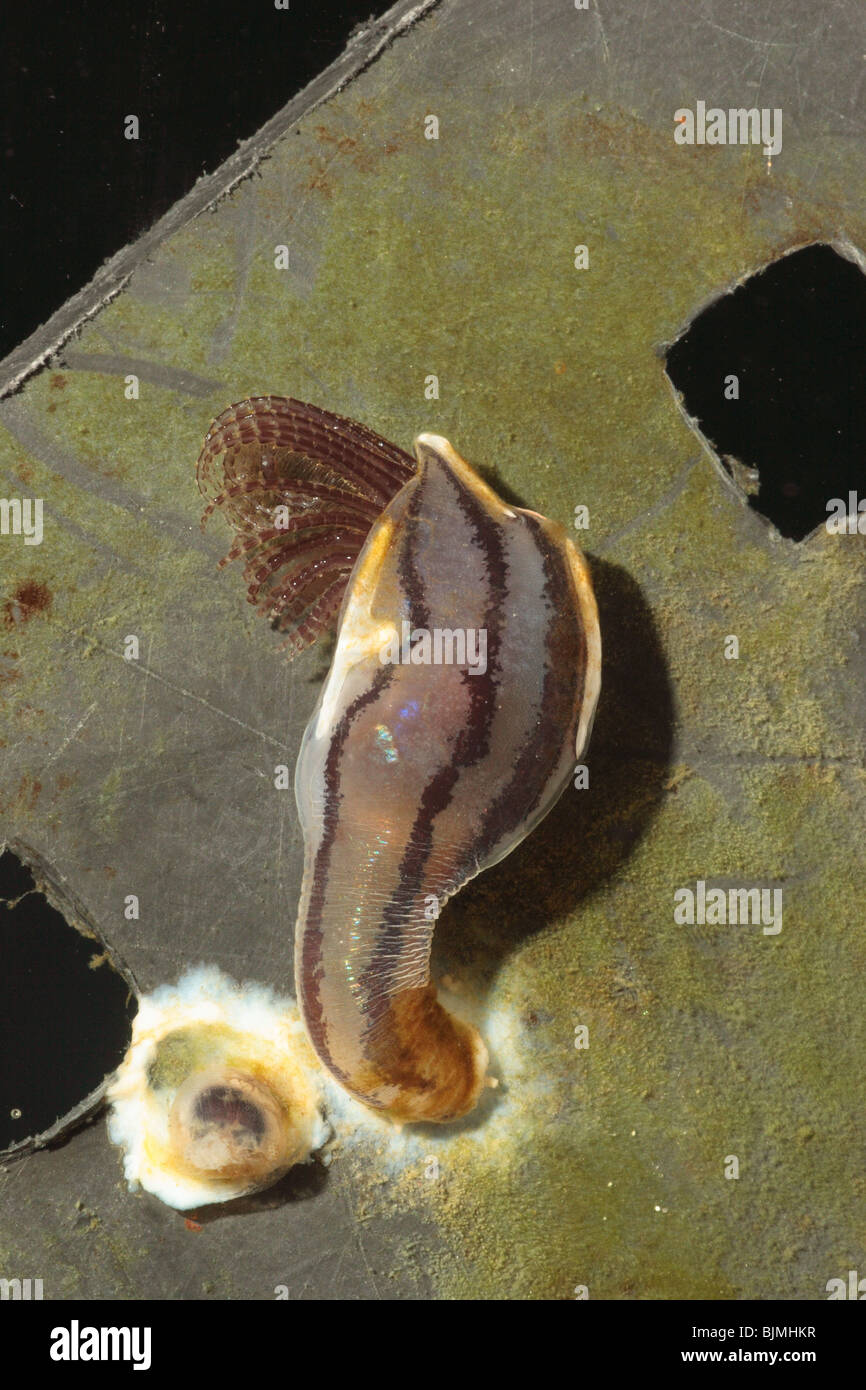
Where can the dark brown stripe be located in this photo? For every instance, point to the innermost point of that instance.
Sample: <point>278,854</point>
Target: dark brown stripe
<point>407,567</point>
<point>561,699</point>
<point>471,746</point>
<point>311,953</point>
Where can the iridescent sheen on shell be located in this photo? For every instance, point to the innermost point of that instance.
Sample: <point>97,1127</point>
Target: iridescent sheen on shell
<point>414,775</point>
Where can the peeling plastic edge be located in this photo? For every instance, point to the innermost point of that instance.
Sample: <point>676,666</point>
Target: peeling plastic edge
<point>843,247</point>
<point>364,47</point>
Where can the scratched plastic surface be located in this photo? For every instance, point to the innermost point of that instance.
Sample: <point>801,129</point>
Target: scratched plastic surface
<point>157,775</point>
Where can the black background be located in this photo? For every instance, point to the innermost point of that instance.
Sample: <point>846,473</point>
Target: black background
<point>200,77</point>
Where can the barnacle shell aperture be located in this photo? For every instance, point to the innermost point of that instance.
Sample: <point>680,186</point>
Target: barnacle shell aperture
<point>214,1098</point>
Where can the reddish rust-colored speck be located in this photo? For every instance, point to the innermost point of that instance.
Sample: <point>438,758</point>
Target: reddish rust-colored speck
<point>30,597</point>
<point>320,181</point>
<point>344,143</point>
<point>58,382</point>
<point>26,795</point>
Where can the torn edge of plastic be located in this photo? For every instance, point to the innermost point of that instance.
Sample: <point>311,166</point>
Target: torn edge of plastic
<point>64,901</point>
<point>366,44</point>
<point>843,247</point>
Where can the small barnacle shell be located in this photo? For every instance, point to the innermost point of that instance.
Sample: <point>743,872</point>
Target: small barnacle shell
<point>213,1099</point>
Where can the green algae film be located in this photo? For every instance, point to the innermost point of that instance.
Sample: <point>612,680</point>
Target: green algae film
<point>602,1167</point>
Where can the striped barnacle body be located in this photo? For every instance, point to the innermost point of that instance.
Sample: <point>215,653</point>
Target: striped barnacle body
<point>462,688</point>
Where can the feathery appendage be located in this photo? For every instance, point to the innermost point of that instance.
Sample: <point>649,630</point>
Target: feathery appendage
<point>301,488</point>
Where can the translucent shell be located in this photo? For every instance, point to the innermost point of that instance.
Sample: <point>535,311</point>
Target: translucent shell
<point>462,689</point>
<point>416,774</point>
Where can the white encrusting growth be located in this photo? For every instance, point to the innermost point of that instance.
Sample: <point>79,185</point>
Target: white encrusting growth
<point>215,1097</point>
